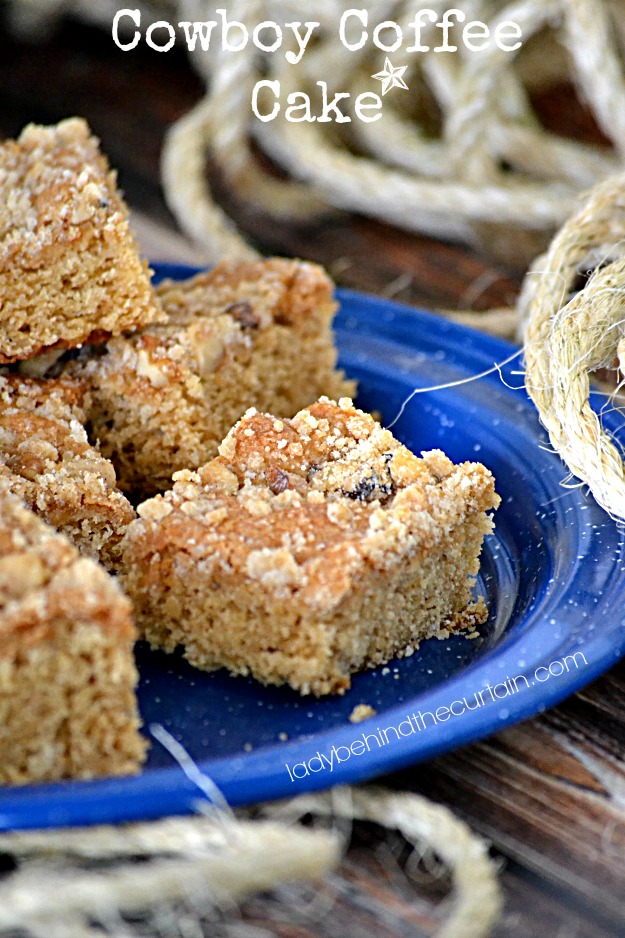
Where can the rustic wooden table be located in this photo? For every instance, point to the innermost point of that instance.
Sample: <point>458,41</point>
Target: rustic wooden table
<point>548,794</point>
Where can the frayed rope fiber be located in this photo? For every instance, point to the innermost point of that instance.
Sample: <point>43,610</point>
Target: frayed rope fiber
<point>571,334</point>
<point>73,883</point>
<point>95,882</point>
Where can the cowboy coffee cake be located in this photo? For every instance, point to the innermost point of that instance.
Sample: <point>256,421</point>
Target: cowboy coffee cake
<point>309,549</point>
<point>67,674</point>
<point>69,267</point>
<point>242,334</point>
<point>46,459</point>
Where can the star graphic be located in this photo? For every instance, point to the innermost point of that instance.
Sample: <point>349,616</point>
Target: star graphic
<point>391,77</point>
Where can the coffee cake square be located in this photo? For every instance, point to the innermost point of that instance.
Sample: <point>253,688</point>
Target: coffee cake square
<point>309,549</point>
<point>70,271</point>
<point>67,673</point>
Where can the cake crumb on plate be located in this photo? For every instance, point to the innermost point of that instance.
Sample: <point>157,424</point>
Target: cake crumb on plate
<point>362,712</point>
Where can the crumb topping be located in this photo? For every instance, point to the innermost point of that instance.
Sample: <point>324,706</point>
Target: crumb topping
<point>70,271</point>
<point>52,181</point>
<point>42,429</point>
<point>40,567</point>
<point>306,504</point>
<point>46,459</point>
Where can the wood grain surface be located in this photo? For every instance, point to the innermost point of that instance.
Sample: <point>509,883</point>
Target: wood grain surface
<point>548,794</point>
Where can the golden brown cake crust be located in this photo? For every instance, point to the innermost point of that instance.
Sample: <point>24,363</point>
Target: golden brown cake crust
<point>67,674</point>
<point>33,557</point>
<point>69,267</point>
<point>247,333</point>
<point>308,549</point>
<point>47,460</point>
<point>280,291</point>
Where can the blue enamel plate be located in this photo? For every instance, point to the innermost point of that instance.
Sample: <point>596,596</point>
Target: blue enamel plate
<point>552,575</point>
